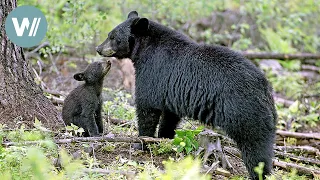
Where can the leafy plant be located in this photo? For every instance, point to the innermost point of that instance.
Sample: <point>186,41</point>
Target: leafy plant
<point>187,169</point>
<point>259,170</point>
<point>185,140</point>
<point>290,84</point>
<point>120,107</point>
<point>297,115</point>
<point>74,130</point>
<point>164,147</point>
<point>286,26</point>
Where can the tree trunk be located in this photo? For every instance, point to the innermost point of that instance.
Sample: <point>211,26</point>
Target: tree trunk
<point>21,99</point>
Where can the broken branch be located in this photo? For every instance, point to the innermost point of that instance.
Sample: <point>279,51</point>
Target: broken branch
<point>297,158</point>
<point>280,56</point>
<point>300,169</point>
<point>299,135</point>
<point>92,139</point>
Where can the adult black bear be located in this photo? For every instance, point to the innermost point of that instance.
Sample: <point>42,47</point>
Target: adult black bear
<point>176,77</point>
<point>82,106</point>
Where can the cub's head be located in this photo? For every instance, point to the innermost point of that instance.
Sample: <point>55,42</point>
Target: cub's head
<point>121,39</point>
<point>94,72</point>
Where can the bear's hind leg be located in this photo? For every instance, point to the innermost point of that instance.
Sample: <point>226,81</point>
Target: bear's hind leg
<point>98,119</point>
<point>148,119</point>
<point>168,124</point>
<point>255,147</point>
<point>253,154</point>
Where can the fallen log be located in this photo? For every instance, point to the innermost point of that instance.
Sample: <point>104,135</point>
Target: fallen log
<point>300,149</point>
<point>299,135</point>
<point>91,139</point>
<point>300,169</point>
<point>285,102</point>
<point>128,174</point>
<point>280,56</point>
<point>297,158</point>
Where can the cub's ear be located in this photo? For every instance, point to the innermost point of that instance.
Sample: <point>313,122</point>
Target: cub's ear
<point>132,14</point>
<point>140,26</point>
<point>79,77</point>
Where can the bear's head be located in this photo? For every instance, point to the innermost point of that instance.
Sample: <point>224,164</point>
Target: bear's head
<point>94,72</point>
<point>121,39</point>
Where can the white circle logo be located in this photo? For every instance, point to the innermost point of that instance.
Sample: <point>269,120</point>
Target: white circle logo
<point>26,26</point>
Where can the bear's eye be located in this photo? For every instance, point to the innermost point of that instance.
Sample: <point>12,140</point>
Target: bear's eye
<point>111,37</point>
<point>118,41</point>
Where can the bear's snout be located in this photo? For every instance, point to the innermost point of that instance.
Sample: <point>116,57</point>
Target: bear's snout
<point>105,49</point>
<point>99,49</point>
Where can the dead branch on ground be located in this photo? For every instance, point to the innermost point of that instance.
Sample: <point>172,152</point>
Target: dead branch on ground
<point>297,158</point>
<point>280,56</point>
<point>299,135</point>
<point>299,168</point>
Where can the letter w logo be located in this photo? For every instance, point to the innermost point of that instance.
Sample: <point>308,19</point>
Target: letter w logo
<point>25,24</point>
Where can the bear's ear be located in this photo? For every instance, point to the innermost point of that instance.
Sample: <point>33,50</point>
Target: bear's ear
<point>132,14</point>
<point>79,77</point>
<point>140,26</point>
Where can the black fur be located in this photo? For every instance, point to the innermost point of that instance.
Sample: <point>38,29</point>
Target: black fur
<point>82,106</point>
<point>176,77</point>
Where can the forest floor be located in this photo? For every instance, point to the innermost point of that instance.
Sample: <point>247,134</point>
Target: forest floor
<point>219,159</point>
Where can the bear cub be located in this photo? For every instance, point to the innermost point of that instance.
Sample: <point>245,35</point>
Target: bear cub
<point>82,107</point>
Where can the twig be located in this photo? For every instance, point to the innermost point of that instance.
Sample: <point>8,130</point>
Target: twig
<point>213,165</point>
<point>28,54</point>
<point>105,171</point>
<point>56,100</point>
<point>120,122</point>
<point>310,68</point>
<point>299,135</point>
<point>299,168</point>
<point>285,102</point>
<point>311,96</point>
<point>53,92</point>
<point>223,172</point>
<point>307,149</point>
<point>53,64</point>
<point>297,158</point>
<point>92,139</point>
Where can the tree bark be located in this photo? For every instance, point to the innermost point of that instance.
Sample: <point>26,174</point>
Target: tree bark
<point>21,99</point>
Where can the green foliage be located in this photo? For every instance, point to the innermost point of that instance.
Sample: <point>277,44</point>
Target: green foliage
<point>74,130</point>
<point>119,107</point>
<point>36,160</point>
<point>76,23</point>
<point>292,175</point>
<point>259,170</point>
<point>276,42</point>
<point>243,43</point>
<point>185,140</point>
<point>163,147</point>
<point>293,65</point>
<point>21,134</point>
<point>289,84</point>
<point>287,25</point>
<point>170,12</point>
<point>32,163</point>
<point>298,114</point>
<point>108,148</point>
<point>187,169</point>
